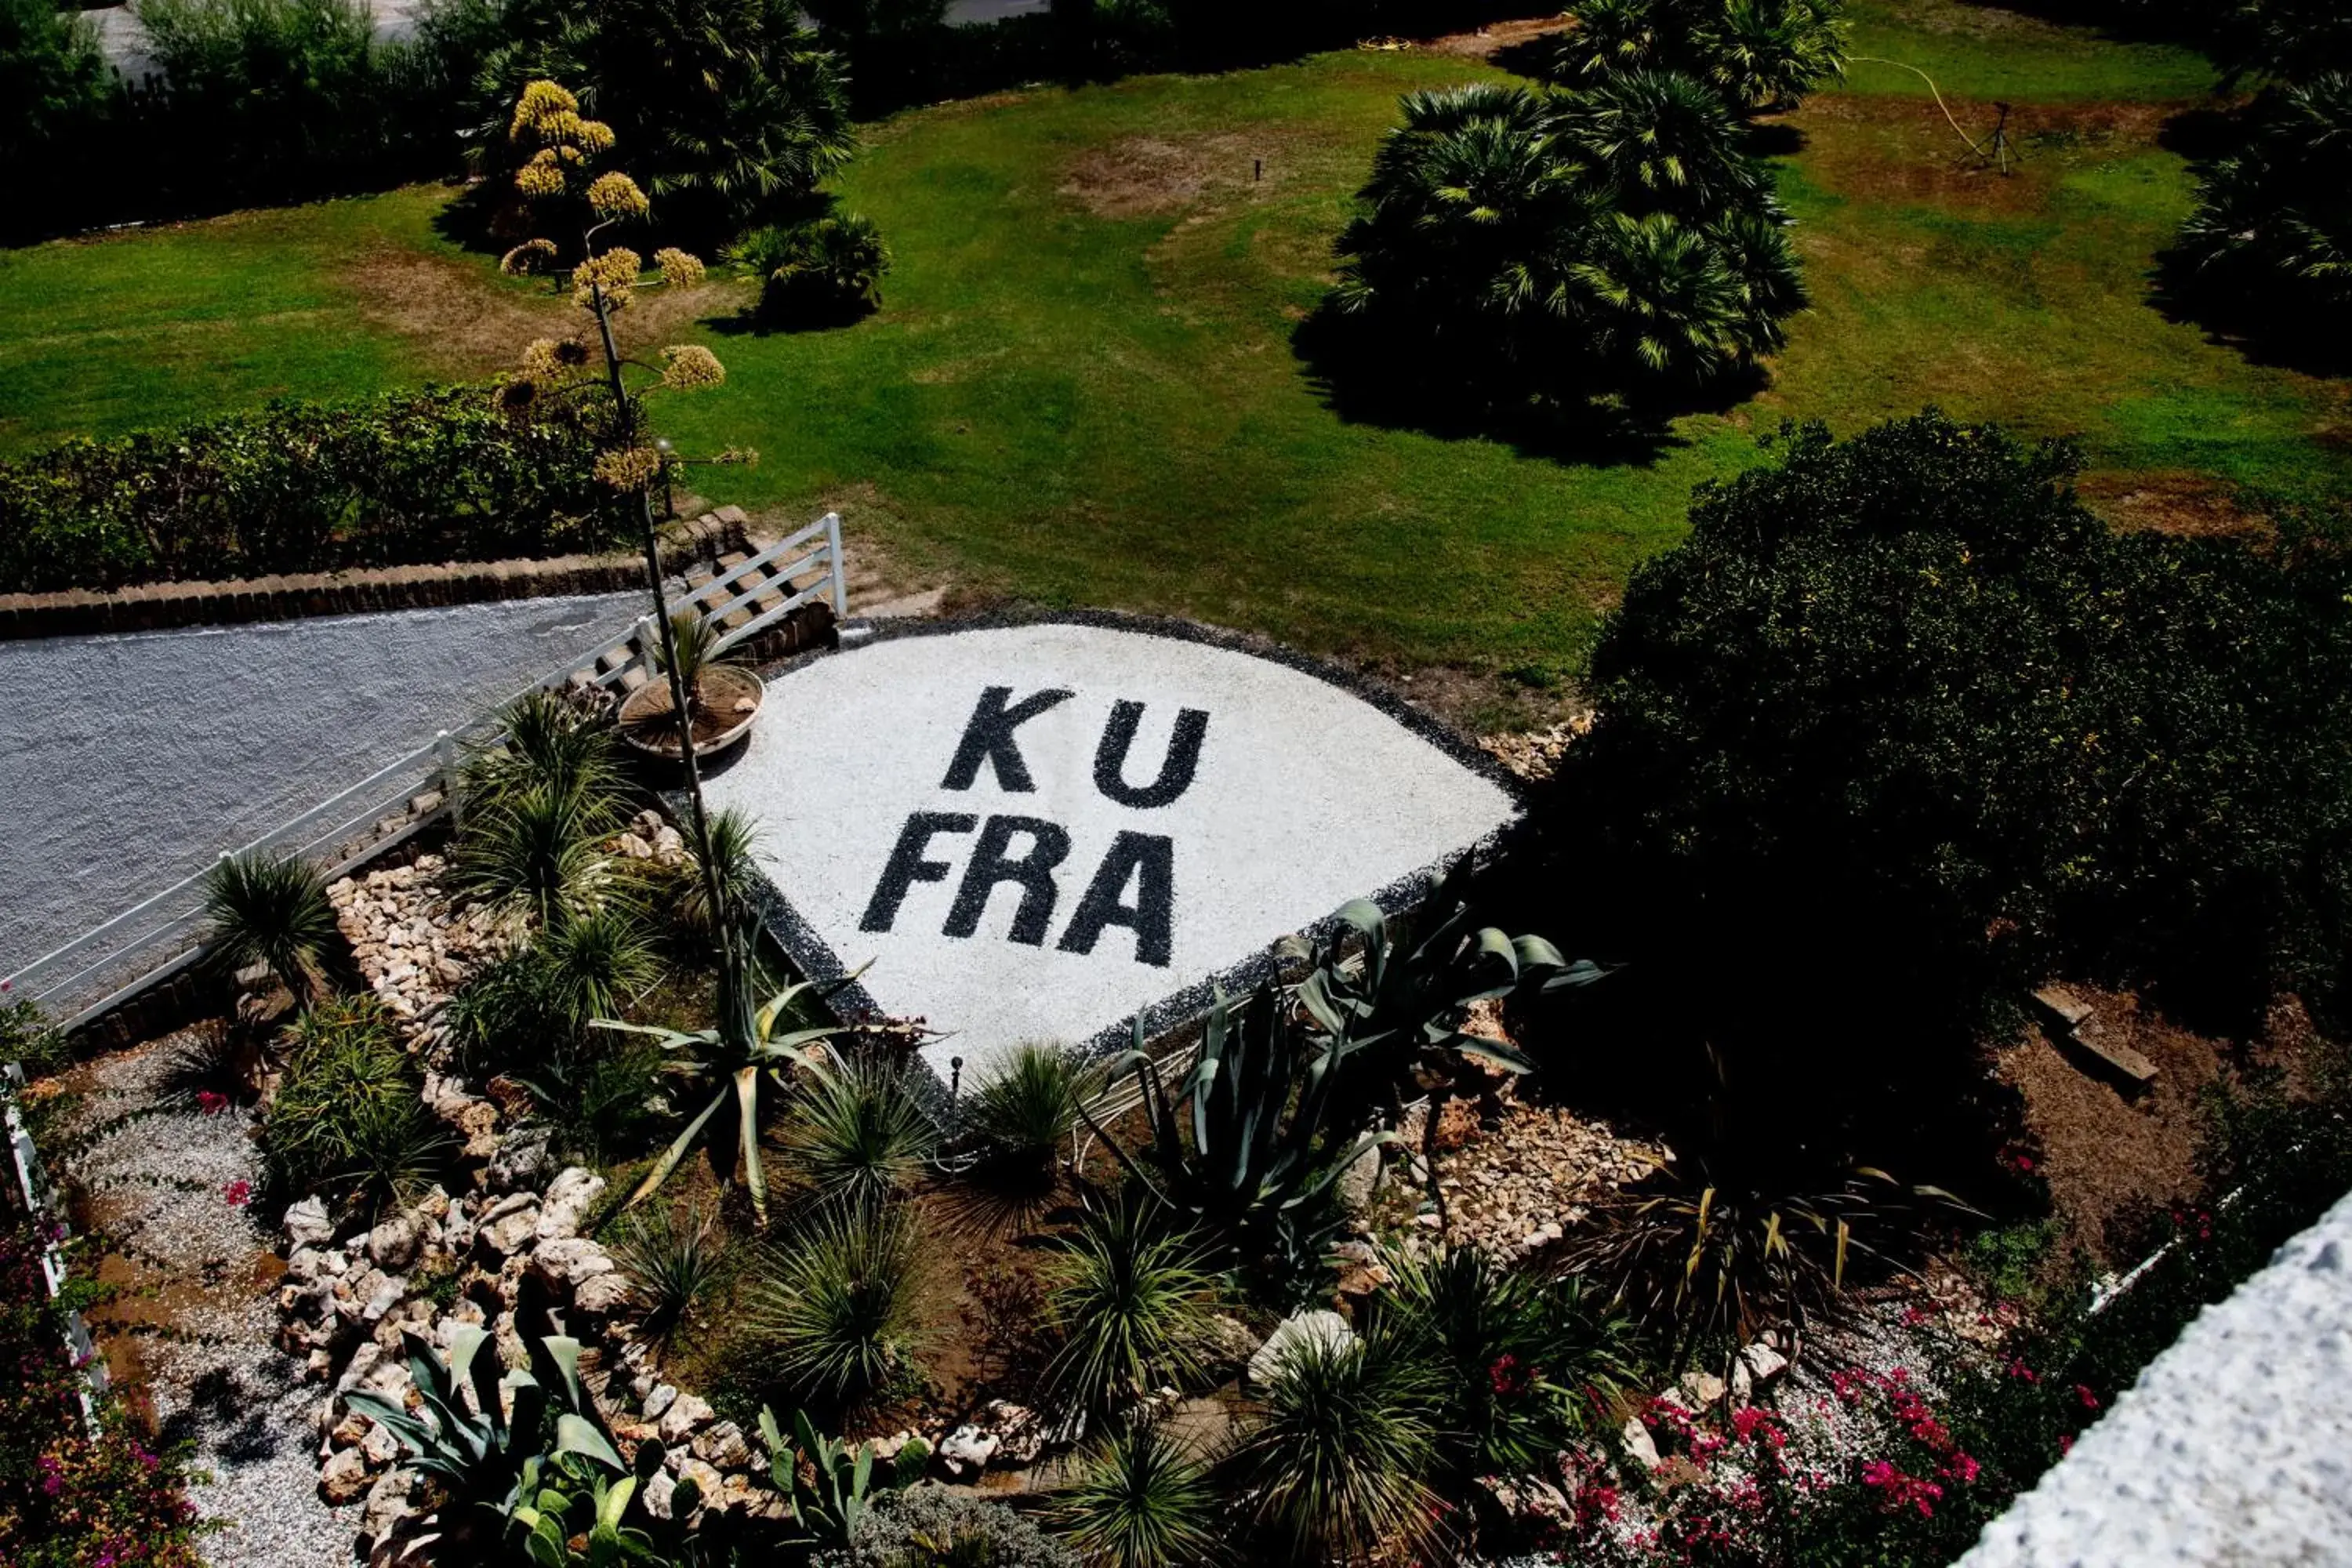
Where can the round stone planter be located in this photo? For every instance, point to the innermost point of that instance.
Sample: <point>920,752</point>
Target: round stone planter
<point>731,698</point>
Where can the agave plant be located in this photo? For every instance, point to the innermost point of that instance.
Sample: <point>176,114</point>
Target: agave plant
<point>832,1484</point>
<point>580,1516</point>
<point>1130,1302</point>
<point>1399,1014</point>
<point>752,1044</point>
<point>1255,1104</point>
<point>274,911</point>
<point>485,1453</point>
<point>1142,1500</point>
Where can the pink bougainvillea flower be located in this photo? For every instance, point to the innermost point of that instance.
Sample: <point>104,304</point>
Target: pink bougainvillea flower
<point>240,1192</point>
<point>210,1102</point>
<point>2090,1400</point>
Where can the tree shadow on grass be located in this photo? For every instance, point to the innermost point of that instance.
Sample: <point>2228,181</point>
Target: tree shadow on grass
<point>1368,374</point>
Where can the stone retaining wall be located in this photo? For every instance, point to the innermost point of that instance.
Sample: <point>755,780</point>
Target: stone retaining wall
<point>154,606</point>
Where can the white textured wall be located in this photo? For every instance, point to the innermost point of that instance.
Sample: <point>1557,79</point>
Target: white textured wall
<point>127,761</point>
<point>2234,1447</point>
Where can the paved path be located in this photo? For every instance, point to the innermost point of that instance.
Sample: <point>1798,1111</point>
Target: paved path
<point>130,762</point>
<point>2234,1447</point>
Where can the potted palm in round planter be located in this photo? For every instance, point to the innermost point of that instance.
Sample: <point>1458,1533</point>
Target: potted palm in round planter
<point>722,698</point>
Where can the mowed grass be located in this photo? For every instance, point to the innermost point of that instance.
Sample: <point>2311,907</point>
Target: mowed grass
<point>1082,387</point>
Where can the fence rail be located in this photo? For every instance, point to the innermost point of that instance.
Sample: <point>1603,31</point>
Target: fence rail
<point>157,938</point>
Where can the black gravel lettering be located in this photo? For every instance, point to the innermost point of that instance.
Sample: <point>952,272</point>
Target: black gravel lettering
<point>907,866</point>
<point>1149,858</point>
<point>1176,768</point>
<point>988,737</point>
<point>1049,847</point>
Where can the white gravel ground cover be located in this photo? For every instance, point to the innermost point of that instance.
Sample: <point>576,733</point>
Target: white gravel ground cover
<point>164,1171</point>
<point>1303,796</point>
<point>2234,1447</point>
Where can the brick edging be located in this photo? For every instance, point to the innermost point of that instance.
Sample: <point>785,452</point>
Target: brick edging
<point>153,606</point>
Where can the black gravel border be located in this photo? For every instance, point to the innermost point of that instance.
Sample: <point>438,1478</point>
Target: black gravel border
<point>1166,1018</point>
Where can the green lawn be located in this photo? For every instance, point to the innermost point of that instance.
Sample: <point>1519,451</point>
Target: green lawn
<point>1082,386</point>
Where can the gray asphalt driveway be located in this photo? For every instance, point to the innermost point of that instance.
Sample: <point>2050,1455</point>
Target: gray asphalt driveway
<point>126,762</point>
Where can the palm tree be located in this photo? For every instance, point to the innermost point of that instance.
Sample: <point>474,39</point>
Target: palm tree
<point>2274,222</point>
<point>274,911</point>
<point>1612,36</point>
<point>1670,311</point>
<point>1664,142</point>
<point>1763,54</point>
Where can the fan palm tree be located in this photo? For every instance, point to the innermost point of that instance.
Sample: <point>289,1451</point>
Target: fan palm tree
<point>2277,217</point>
<point>273,911</point>
<point>1664,142</point>
<point>1612,36</point>
<point>1668,310</point>
<point>1764,54</point>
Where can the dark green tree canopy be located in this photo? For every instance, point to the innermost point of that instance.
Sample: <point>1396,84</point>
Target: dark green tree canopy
<point>1902,710</point>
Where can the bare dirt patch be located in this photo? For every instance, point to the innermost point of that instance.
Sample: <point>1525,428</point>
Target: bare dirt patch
<point>1152,176</point>
<point>2170,501</point>
<point>2109,1155</point>
<point>1894,151</point>
<point>1490,40</point>
<point>472,326</point>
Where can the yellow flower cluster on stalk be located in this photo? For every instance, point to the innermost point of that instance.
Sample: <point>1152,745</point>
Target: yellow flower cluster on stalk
<point>690,368</point>
<point>628,469</point>
<point>560,146</point>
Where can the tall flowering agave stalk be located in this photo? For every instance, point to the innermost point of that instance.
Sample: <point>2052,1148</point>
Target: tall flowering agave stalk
<point>562,180</point>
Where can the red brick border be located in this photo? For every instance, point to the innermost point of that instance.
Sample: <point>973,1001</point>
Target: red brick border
<point>152,606</point>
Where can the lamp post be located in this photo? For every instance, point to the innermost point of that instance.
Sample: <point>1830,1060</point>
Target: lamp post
<point>663,447</point>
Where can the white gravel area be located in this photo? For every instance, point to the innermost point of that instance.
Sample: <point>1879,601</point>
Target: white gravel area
<point>2234,1447</point>
<point>1300,796</point>
<point>162,1169</point>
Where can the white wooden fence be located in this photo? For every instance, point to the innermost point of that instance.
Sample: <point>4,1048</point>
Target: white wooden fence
<point>160,936</point>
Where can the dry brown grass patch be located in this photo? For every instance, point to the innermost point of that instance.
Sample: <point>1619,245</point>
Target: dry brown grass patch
<point>2170,501</point>
<point>1152,176</point>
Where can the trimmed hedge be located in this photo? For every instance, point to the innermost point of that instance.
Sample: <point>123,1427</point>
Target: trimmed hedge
<point>410,479</point>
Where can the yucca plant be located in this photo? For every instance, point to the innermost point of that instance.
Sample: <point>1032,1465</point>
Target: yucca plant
<point>274,911</point>
<point>484,1451</point>
<point>752,1044</point>
<point>1130,1299</point>
<point>346,1120</point>
<point>1022,1113</point>
<point>855,1134</point>
<point>1706,1258</point>
<point>1522,1363</point>
<point>539,851</point>
<point>1334,1467</point>
<point>1142,1500</point>
<point>834,1314</point>
<point>734,838</point>
<point>597,961</point>
<point>670,1261</point>
<point>546,743</point>
<point>693,643</point>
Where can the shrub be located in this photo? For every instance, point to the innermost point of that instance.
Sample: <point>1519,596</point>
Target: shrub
<point>834,1316</point>
<point>71,1497</point>
<point>1140,1500</point>
<point>1757,54</point>
<point>1903,700</point>
<point>539,852</point>
<point>546,742</point>
<point>818,273</point>
<point>274,911</point>
<point>1335,1466</point>
<point>430,476</point>
<point>1130,1303</point>
<point>1022,1113</point>
<point>855,1135</point>
<point>930,1527</point>
<point>348,1121</point>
